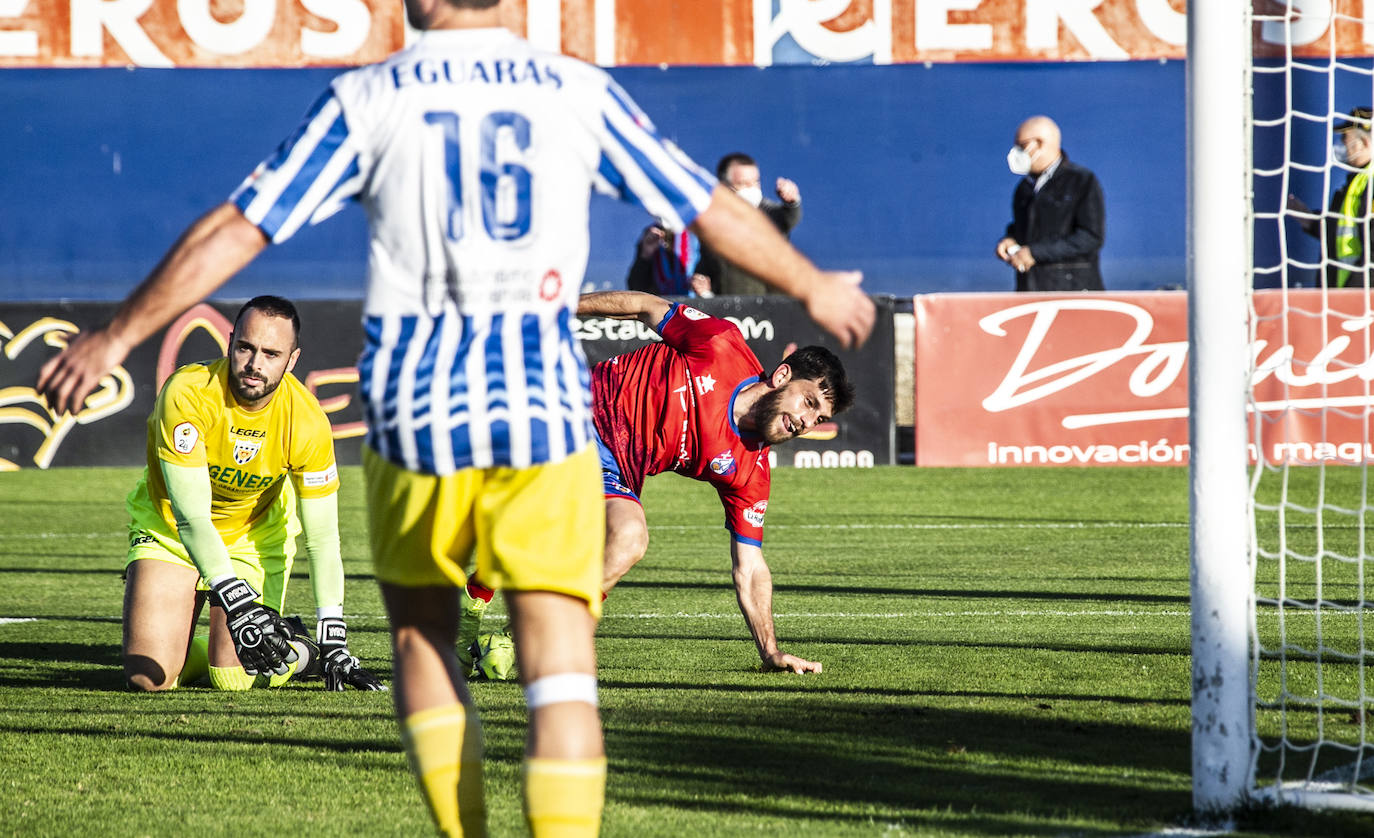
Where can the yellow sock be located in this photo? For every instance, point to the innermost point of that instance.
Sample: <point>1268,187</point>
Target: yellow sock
<point>563,798</point>
<point>444,745</point>
<point>197,664</point>
<point>231,678</point>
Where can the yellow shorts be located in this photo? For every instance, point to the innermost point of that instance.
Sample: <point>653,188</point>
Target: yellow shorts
<point>533,529</point>
<point>262,557</point>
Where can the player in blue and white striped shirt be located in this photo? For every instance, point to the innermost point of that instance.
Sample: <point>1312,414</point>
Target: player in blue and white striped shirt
<point>473,155</point>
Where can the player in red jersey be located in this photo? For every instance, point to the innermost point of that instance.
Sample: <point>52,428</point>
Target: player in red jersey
<point>700,404</point>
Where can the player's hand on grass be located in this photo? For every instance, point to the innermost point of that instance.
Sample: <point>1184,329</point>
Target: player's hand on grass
<point>841,307</point>
<point>68,378</point>
<point>783,662</point>
<point>339,668</point>
<point>260,636</point>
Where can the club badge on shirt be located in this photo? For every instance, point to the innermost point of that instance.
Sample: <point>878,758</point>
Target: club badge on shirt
<point>245,450</point>
<point>723,463</point>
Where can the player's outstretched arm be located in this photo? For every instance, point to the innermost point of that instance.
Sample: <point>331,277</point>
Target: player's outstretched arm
<point>754,591</point>
<point>211,250</point>
<point>624,305</point>
<point>744,236</point>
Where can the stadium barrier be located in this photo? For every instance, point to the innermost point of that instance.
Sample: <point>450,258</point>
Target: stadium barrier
<point>111,430</point>
<point>1101,379</point>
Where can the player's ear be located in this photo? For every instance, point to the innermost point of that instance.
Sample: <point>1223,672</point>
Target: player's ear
<point>295,356</point>
<point>781,375</point>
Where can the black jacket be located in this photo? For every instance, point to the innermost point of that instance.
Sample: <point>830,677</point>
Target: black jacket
<point>728,279</point>
<point>1064,225</point>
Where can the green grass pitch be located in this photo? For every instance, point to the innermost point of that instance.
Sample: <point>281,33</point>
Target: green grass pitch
<point>1005,651</point>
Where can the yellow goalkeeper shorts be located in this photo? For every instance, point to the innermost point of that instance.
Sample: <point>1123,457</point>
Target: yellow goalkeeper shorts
<point>262,557</point>
<point>540,528</point>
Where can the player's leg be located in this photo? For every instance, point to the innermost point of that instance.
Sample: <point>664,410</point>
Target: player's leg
<point>540,536</point>
<point>627,538</point>
<point>265,563</point>
<point>418,525</point>
<point>565,762</point>
<point>159,618</point>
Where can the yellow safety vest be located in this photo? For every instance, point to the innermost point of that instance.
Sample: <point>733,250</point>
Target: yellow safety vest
<point>1349,247</point>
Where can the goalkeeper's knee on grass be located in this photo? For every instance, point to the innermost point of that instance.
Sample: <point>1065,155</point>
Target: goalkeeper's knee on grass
<point>235,678</point>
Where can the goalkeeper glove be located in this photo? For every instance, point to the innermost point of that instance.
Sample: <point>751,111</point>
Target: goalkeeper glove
<point>260,636</point>
<point>339,667</point>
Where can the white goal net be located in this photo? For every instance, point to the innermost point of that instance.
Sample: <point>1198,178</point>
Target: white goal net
<point>1309,399</point>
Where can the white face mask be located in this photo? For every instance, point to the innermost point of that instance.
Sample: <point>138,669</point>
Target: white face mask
<point>1339,154</point>
<point>1019,160</point>
<point>752,194</point>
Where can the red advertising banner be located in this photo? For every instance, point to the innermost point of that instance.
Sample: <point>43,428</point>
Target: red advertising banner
<point>1042,379</point>
<point>295,33</point>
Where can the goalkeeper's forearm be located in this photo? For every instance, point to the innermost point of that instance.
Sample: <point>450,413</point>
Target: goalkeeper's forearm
<point>188,489</point>
<point>320,523</point>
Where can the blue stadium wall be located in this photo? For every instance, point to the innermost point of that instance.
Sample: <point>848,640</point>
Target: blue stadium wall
<point>902,168</point>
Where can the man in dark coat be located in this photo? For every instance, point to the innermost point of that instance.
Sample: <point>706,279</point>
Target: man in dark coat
<point>740,172</point>
<point>1058,217</point>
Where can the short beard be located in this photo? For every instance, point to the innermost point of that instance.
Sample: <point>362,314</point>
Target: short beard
<point>268,389</point>
<point>765,410</point>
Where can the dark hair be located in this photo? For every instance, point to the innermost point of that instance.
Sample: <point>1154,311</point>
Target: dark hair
<point>273,306</point>
<point>821,366</point>
<point>473,4</point>
<point>731,159</point>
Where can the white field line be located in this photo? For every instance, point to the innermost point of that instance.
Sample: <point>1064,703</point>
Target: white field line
<point>841,615</point>
<point>1069,525</point>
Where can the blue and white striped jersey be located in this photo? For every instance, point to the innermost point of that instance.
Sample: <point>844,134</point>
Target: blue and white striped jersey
<point>474,155</point>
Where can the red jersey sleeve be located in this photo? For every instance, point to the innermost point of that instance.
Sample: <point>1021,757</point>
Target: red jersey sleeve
<point>689,330</point>
<point>746,503</point>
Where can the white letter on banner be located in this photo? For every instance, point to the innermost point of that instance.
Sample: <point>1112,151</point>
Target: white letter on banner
<point>1313,17</point>
<point>1042,27</point>
<point>1164,23</point>
<point>804,20</point>
<point>17,43</point>
<point>354,20</point>
<point>92,18</point>
<point>934,31</point>
<point>237,36</point>
<point>544,24</point>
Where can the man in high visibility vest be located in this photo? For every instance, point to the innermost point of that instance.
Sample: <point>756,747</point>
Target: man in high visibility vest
<point>1344,229</point>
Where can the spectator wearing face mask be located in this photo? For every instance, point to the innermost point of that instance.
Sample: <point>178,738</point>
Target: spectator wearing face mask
<point>1344,230</point>
<point>739,172</point>
<point>1058,216</point>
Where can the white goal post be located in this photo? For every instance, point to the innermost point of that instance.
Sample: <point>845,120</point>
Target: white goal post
<point>1282,687</point>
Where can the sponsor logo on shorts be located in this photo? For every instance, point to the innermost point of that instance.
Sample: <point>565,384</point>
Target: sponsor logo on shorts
<point>184,437</point>
<point>137,538</point>
<point>245,450</point>
<point>314,479</point>
<point>754,514</point>
<point>723,463</point>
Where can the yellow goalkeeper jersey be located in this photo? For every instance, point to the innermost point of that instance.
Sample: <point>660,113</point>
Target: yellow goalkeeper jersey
<point>197,422</point>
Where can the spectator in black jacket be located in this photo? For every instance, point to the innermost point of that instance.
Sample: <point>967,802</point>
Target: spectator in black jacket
<point>1058,217</point>
<point>739,172</point>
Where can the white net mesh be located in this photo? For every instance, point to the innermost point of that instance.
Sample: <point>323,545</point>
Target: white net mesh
<point>1310,322</point>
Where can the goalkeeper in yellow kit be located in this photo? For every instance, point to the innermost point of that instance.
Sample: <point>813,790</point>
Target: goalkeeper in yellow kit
<point>240,460</point>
